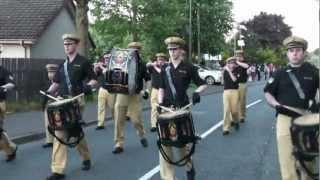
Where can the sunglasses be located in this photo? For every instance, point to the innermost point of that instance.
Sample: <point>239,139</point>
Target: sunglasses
<point>173,49</point>
<point>68,44</point>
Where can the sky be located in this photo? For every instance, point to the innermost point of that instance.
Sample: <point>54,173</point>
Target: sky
<point>301,15</point>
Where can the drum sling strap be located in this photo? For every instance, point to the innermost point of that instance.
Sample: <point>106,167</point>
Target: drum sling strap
<point>296,84</point>
<point>66,74</point>
<point>301,158</point>
<point>181,162</point>
<point>184,160</point>
<point>1,131</point>
<point>74,132</point>
<point>171,85</point>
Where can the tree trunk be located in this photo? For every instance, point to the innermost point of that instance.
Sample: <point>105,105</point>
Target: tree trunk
<point>134,22</point>
<point>82,25</point>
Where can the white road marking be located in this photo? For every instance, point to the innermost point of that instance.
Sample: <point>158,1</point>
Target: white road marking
<point>151,173</point>
<point>156,169</point>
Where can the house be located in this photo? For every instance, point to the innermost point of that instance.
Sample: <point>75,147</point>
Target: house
<point>33,28</point>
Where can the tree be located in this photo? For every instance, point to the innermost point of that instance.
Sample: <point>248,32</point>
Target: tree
<point>269,55</point>
<point>118,22</point>
<point>82,25</point>
<point>263,36</point>
<point>215,20</point>
<point>268,29</point>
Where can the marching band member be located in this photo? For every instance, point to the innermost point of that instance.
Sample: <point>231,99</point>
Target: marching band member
<point>51,69</point>
<point>104,97</point>
<point>69,82</point>
<point>294,85</point>
<point>241,70</point>
<point>181,75</point>
<point>130,105</point>
<point>154,68</point>
<point>6,83</point>
<point>230,96</point>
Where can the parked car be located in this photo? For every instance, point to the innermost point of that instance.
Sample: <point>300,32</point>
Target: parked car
<point>211,76</point>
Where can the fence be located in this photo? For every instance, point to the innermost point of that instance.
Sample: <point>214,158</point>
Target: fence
<point>30,76</point>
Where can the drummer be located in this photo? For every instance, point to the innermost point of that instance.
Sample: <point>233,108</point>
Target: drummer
<point>181,75</point>
<point>280,90</point>
<point>6,84</point>
<point>104,96</point>
<point>154,68</point>
<point>130,104</point>
<point>69,82</point>
<point>51,69</point>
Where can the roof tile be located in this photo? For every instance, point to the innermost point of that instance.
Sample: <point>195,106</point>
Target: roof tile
<point>26,19</point>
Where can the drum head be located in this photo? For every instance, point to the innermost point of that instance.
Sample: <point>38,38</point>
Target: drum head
<point>61,102</point>
<point>125,61</point>
<point>307,120</point>
<point>172,115</point>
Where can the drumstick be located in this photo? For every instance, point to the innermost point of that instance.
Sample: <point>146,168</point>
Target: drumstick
<point>296,110</point>
<point>165,108</point>
<point>76,97</point>
<point>48,95</point>
<point>185,107</point>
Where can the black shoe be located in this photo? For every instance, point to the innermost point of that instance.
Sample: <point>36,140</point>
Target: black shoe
<point>47,145</point>
<point>86,165</point>
<point>191,174</point>
<point>225,133</point>
<point>198,139</point>
<point>153,129</point>
<point>236,126</point>
<point>99,128</point>
<point>242,120</point>
<point>127,118</point>
<point>232,123</point>
<point>12,156</point>
<point>55,176</point>
<point>117,150</point>
<point>82,123</point>
<point>144,142</point>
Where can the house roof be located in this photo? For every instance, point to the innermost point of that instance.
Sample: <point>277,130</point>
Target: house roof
<point>27,19</point>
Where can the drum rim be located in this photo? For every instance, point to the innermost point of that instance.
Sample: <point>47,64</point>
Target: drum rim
<point>61,102</point>
<point>301,121</point>
<point>169,114</point>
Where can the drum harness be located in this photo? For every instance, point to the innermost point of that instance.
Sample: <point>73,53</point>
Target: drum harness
<point>184,160</point>
<point>296,151</point>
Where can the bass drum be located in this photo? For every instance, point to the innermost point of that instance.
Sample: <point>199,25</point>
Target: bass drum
<point>122,71</point>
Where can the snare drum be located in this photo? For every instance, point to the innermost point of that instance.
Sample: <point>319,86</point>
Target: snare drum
<point>305,134</point>
<point>63,114</point>
<point>176,128</point>
<point>305,140</point>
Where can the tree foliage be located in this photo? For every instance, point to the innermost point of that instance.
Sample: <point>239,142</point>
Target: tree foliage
<point>269,29</point>
<point>215,21</point>
<point>150,22</point>
<point>263,38</point>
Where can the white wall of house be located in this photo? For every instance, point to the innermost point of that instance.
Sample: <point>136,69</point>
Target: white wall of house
<point>14,51</point>
<point>50,44</point>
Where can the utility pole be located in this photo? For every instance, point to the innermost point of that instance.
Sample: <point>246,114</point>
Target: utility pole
<point>198,25</point>
<point>190,30</point>
<point>235,39</point>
